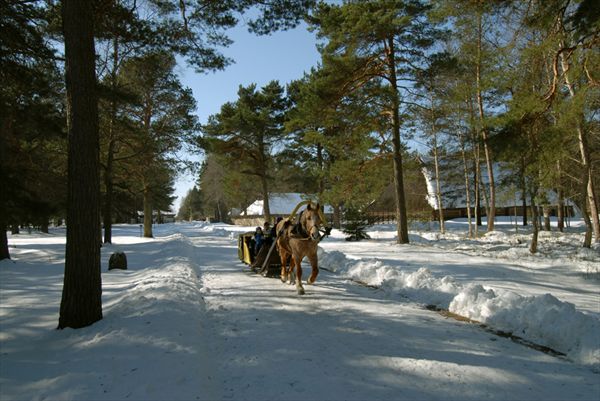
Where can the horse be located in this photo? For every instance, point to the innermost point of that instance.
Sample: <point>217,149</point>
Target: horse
<point>298,241</point>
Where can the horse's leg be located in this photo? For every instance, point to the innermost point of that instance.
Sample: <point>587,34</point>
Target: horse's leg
<point>298,263</point>
<point>283,256</point>
<point>314,264</point>
<point>290,270</point>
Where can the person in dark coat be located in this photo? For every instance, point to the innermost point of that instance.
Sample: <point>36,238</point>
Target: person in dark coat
<point>274,228</point>
<point>259,239</point>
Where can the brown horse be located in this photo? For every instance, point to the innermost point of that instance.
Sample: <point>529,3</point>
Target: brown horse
<point>299,240</point>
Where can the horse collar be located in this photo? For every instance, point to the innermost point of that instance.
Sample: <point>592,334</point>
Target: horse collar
<point>300,231</point>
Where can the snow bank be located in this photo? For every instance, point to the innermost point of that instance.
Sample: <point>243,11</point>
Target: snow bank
<point>420,286</point>
<point>553,247</point>
<point>149,345</point>
<point>542,319</point>
<point>221,232</point>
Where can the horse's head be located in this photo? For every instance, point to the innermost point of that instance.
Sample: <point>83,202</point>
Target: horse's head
<point>311,221</point>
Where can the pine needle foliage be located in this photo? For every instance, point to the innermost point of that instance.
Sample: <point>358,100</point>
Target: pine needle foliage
<point>355,225</point>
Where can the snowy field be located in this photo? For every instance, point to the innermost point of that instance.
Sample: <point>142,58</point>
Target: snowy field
<point>187,321</point>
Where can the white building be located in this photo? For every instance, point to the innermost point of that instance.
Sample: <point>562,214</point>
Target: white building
<point>280,204</point>
<point>508,195</point>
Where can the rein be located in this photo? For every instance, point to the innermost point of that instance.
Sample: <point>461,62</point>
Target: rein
<point>325,233</point>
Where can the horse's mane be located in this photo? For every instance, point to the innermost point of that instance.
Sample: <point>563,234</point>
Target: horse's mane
<point>298,228</point>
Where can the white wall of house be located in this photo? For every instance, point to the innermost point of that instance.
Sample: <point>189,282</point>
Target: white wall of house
<point>281,203</point>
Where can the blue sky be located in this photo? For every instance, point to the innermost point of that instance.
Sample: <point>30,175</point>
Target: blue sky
<point>282,56</point>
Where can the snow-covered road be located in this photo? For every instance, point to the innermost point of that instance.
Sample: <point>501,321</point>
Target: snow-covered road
<point>346,341</point>
<point>188,321</point>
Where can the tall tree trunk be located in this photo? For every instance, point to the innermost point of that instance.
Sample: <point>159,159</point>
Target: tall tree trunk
<point>438,192</point>
<point>262,165</point>
<point>486,200</point>
<point>587,173</point>
<point>523,191</point>
<point>581,204</point>
<point>491,213</point>
<point>477,185</point>
<point>534,218</point>
<point>467,186</point>
<point>108,197</point>
<point>148,209</point>
<point>108,174</point>
<point>546,212</point>
<point>337,213</point>
<point>438,185</point>
<point>593,204</point>
<point>401,215</point>
<point>4,214</point>
<point>265,193</point>
<point>81,303</point>
<point>4,252</point>
<point>218,211</point>
<point>560,212</point>
<point>476,166</point>
<point>44,225</point>
<point>321,165</point>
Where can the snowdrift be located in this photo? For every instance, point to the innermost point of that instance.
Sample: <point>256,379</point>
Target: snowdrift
<point>543,319</point>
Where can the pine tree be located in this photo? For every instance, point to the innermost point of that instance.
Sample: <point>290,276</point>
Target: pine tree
<point>32,139</point>
<point>191,207</point>
<point>561,36</point>
<point>337,141</point>
<point>164,122</point>
<point>247,131</point>
<point>307,126</point>
<point>121,34</point>
<point>81,303</point>
<point>480,33</point>
<point>355,224</point>
<point>377,42</point>
<point>210,182</point>
<point>433,115</point>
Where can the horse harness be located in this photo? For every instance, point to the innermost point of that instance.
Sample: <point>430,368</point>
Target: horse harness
<point>299,233</point>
